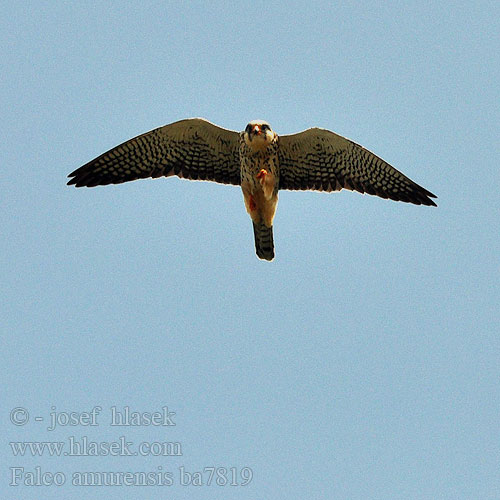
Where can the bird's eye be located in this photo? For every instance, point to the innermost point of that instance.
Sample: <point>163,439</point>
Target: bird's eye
<point>264,127</point>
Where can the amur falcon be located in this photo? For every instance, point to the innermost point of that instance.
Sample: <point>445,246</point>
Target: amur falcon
<point>258,160</point>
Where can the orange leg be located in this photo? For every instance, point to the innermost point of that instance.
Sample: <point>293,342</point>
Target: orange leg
<point>262,174</point>
<point>267,181</point>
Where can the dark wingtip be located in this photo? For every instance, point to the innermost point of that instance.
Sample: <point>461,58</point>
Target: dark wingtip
<point>423,196</point>
<point>74,177</point>
<point>77,182</point>
<point>430,203</point>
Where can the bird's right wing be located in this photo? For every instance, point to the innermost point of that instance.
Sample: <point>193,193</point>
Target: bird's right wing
<point>321,160</point>
<point>192,149</point>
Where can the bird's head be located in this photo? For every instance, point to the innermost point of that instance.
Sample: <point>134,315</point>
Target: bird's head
<point>258,135</point>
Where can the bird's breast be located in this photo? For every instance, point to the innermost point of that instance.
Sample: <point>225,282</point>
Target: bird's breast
<point>252,164</point>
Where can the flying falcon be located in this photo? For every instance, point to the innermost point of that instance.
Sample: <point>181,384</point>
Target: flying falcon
<point>258,160</point>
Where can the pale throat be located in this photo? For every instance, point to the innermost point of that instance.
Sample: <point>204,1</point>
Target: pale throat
<point>259,142</point>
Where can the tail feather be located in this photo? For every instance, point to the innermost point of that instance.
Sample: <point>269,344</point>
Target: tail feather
<point>264,245</point>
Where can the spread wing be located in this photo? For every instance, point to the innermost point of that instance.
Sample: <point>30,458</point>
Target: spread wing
<point>324,161</point>
<point>193,149</point>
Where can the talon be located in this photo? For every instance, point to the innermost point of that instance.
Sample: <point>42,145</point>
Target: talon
<point>263,172</point>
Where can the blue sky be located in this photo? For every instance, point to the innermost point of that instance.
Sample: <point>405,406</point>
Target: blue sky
<point>363,361</point>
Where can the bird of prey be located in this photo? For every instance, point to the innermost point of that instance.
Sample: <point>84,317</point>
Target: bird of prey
<point>257,160</point>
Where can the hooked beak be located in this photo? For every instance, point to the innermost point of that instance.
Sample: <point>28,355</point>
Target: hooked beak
<point>256,130</point>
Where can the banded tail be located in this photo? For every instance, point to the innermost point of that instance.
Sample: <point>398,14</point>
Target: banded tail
<point>264,245</point>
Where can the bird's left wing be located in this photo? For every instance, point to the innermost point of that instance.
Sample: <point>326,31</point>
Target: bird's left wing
<point>192,149</point>
<point>324,161</point>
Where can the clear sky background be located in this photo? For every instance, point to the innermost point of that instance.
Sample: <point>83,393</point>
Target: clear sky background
<point>363,362</point>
